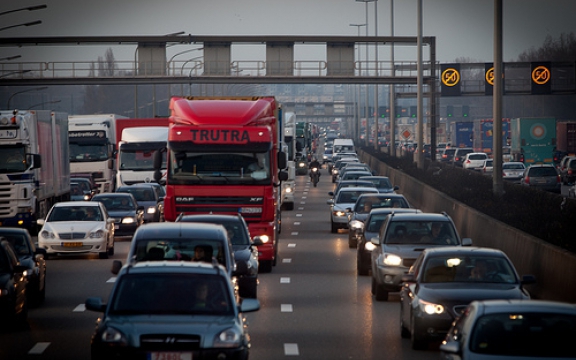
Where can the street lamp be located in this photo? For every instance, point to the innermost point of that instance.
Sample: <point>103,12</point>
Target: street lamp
<point>11,58</point>
<point>366,112</point>
<point>44,103</point>
<point>29,8</point>
<point>23,91</point>
<point>25,24</point>
<point>357,93</point>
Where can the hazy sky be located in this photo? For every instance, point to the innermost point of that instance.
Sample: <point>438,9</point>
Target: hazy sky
<point>463,28</point>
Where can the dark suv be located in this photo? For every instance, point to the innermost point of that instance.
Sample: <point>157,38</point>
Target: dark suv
<point>13,283</point>
<point>460,155</point>
<point>171,310</point>
<point>401,239</point>
<point>245,250</point>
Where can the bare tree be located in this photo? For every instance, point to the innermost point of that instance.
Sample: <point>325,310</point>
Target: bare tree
<point>562,49</point>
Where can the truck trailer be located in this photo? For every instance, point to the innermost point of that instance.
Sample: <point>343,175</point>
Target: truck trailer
<point>93,148</point>
<point>533,140</point>
<point>289,140</point>
<point>34,170</point>
<point>224,157</point>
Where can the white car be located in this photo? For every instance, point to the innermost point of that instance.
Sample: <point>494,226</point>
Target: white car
<point>474,161</point>
<point>69,228</point>
<point>344,199</point>
<point>513,171</point>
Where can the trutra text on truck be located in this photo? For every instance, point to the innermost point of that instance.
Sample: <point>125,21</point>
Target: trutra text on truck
<point>34,167</point>
<point>224,157</point>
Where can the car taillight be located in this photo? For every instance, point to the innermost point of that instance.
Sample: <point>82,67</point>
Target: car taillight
<point>558,179</point>
<point>569,171</point>
<point>467,161</point>
<point>527,179</point>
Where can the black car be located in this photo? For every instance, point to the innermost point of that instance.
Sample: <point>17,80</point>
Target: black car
<point>33,258</point>
<point>364,204</point>
<point>369,229</point>
<point>150,196</point>
<point>124,208</point>
<point>245,250</point>
<point>13,284</point>
<point>171,310</point>
<point>443,281</point>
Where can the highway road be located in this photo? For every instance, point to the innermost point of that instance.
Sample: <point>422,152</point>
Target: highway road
<point>313,305</point>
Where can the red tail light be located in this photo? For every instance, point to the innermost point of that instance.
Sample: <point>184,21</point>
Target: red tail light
<point>527,180</point>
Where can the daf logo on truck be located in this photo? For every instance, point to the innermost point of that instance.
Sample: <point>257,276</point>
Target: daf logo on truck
<point>183,199</point>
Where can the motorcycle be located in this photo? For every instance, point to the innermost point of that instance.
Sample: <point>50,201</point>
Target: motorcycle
<point>315,176</point>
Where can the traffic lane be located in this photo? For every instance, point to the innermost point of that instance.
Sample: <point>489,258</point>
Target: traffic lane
<point>61,328</point>
<point>313,304</point>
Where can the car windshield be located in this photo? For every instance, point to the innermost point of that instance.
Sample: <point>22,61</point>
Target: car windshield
<point>186,249</point>
<point>171,294</point>
<point>477,157</point>
<point>19,243</point>
<point>520,334</point>
<point>348,196</point>
<point>76,213</point>
<point>367,203</point>
<point>468,269</point>
<point>237,235</point>
<point>112,203</point>
<point>421,232</point>
<point>139,193</point>
<point>513,167</point>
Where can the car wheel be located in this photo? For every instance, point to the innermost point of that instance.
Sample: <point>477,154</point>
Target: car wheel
<point>361,268</point>
<point>103,255</point>
<point>352,242</point>
<point>334,227</point>
<point>380,293</point>
<point>265,266</point>
<point>417,342</point>
<point>404,331</point>
<point>373,286</point>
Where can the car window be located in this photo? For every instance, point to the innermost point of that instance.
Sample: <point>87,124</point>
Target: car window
<point>513,166</point>
<point>513,334</point>
<point>467,269</point>
<point>543,171</point>
<point>19,243</point>
<point>367,203</point>
<point>171,294</point>
<point>184,249</point>
<point>477,156</point>
<point>421,232</point>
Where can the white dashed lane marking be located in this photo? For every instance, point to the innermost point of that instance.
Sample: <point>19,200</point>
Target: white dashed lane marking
<point>79,308</point>
<point>39,348</point>
<point>284,280</point>
<point>286,308</point>
<point>291,349</point>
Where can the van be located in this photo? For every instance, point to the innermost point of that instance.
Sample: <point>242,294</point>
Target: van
<point>343,145</point>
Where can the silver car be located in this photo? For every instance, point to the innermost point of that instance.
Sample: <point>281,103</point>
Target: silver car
<point>542,176</point>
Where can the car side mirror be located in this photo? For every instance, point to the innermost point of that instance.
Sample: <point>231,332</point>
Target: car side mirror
<point>408,278</point>
<point>528,279</point>
<point>375,241</point>
<point>331,193</point>
<point>40,222</point>
<point>466,242</point>
<point>95,304</point>
<point>452,347</point>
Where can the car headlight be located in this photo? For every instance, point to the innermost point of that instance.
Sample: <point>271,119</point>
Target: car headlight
<point>391,260</point>
<point>264,238</point>
<point>151,210</point>
<point>128,220</point>
<point>288,189</point>
<point>97,234</point>
<point>113,336</point>
<point>339,213</point>
<point>368,246</point>
<point>356,225</point>
<point>430,308</point>
<point>301,165</point>
<point>229,338</point>
<point>47,234</point>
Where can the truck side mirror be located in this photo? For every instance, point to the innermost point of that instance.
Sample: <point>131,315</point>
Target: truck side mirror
<point>157,160</point>
<point>282,163</point>
<point>36,161</point>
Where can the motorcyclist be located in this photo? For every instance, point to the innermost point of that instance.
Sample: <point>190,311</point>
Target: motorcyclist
<point>314,164</point>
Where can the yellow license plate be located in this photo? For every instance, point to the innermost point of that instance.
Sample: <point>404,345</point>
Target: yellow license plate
<point>72,244</point>
<point>169,356</point>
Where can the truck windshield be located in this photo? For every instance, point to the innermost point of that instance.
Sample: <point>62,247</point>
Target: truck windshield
<point>139,160</point>
<point>219,168</point>
<point>12,159</point>
<point>83,152</point>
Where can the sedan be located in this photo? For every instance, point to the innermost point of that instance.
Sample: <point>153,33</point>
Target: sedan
<point>77,227</point>
<point>32,258</point>
<point>245,249</point>
<point>474,161</point>
<point>512,329</point>
<point>124,209</point>
<point>363,206</point>
<point>443,281</point>
<point>150,197</point>
<point>512,171</point>
<point>345,199</point>
<point>13,284</point>
<point>382,183</point>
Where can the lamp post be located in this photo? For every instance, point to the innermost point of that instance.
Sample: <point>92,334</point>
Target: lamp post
<point>25,24</point>
<point>29,8</point>
<point>44,103</point>
<point>357,92</point>
<point>11,58</point>
<point>23,91</point>
<point>366,112</point>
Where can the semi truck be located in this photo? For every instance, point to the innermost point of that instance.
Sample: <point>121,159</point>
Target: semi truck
<point>93,148</point>
<point>462,134</point>
<point>138,139</point>
<point>289,140</point>
<point>34,166</point>
<point>533,140</point>
<point>484,134</point>
<point>223,156</point>
<point>566,136</point>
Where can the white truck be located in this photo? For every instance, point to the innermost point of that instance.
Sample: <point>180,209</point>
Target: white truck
<point>92,141</point>
<point>289,140</point>
<point>34,166</point>
<point>136,152</point>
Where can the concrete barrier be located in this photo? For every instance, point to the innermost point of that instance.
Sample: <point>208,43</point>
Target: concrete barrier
<point>553,267</point>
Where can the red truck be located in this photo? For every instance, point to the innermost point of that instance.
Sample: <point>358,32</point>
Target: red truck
<point>224,157</point>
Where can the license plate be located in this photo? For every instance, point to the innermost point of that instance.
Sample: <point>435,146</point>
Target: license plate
<point>169,356</point>
<point>116,227</point>
<point>72,244</point>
